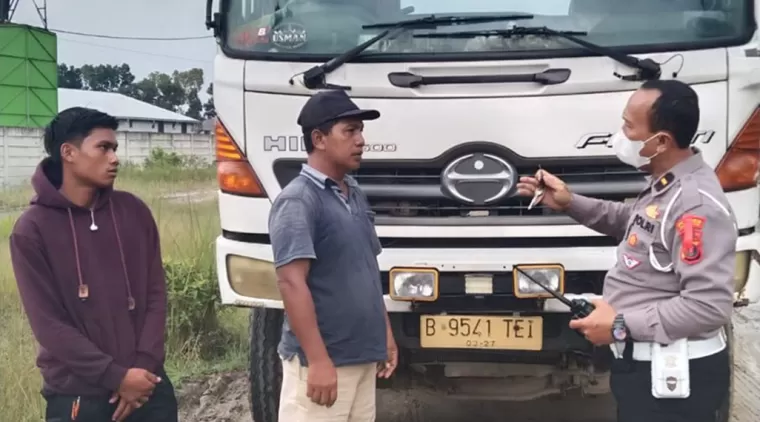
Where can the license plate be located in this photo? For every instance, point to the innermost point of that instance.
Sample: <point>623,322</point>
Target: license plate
<point>481,332</point>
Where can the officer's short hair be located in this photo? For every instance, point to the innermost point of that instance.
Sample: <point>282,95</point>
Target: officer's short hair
<point>676,110</point>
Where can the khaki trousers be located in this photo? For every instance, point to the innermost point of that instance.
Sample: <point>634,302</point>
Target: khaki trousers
<point>356,395</point>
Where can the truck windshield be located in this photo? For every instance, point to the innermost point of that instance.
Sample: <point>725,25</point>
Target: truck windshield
<point>315,30</point>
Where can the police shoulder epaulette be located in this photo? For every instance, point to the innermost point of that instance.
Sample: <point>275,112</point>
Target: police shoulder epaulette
<point>664,182</point>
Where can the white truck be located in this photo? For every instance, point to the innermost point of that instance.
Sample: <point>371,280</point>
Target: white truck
<point>472,95</point>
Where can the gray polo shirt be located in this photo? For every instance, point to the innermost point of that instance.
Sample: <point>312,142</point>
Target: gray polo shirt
<point>311,218</point>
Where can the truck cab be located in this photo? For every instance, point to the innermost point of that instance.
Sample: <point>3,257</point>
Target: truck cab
<point>473,95</point>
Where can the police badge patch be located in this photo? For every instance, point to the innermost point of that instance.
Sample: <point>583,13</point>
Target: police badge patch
<point>653,212</point>
<point>690,229</point>
<point>630,262</point>
<point>633,239</point>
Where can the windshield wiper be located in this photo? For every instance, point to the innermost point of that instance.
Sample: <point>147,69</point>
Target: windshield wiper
<point>315,77</point>
<point>647,69</point>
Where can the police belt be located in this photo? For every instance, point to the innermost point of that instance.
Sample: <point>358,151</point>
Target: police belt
<point>642,351</point>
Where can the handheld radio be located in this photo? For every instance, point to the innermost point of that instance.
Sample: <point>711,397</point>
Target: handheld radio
<point>579,308</point>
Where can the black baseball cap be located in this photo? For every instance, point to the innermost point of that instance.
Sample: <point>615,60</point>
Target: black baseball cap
<point>326,106</point>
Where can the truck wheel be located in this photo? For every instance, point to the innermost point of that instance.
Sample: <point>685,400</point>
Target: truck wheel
<point>265,368</point>
<point>724,413</point>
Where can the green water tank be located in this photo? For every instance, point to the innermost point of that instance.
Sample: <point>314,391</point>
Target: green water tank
<point>28,76</point>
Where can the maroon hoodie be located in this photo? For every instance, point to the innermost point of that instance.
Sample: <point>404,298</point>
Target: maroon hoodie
<point>110,254</point>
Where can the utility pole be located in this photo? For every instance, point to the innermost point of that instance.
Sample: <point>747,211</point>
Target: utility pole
<point>5,10</point>
<point>8,7</point>
<point>41,11</point>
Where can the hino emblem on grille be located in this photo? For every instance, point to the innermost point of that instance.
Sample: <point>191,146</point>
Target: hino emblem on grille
<point>478,179</point>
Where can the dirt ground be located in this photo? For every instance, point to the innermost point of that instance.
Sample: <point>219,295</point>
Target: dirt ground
<point>223,397</point>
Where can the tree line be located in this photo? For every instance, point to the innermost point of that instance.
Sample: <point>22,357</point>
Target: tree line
<point>177,92</point>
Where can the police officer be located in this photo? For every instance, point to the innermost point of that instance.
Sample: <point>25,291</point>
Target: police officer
<point>669,297</point>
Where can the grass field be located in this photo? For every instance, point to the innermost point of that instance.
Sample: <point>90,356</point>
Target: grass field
<point>201,337</point>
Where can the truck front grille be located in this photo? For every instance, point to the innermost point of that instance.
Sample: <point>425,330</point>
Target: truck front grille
<point>409,192</point>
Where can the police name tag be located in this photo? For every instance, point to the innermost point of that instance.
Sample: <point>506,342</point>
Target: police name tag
<point>670,370</point>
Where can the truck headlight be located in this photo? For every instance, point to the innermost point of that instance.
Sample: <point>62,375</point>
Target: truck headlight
<point>413,284</point>
<point>254,278</point>
<point>550,275</point>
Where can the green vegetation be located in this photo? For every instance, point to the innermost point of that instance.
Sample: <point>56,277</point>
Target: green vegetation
<point>202,337</point>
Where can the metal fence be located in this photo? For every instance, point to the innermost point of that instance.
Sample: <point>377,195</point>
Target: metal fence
<point>21,149</point>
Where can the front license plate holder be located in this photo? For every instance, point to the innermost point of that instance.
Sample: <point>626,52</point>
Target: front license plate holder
<point>481,332</point>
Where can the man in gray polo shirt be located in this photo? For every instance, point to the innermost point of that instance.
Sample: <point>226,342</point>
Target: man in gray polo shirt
<point>336,338</point>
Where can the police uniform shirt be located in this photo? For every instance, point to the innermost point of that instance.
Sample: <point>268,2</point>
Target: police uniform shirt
<point>675,264</point>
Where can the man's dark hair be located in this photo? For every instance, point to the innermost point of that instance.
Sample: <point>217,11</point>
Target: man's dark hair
<point>324,128</point>
<point>73,125</point>
<point>675,111</point>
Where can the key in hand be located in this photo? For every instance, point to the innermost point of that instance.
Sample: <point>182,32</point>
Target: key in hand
<point>539,190</point>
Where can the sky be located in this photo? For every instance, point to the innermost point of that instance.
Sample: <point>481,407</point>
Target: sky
<point>177,18</point>
<point>172,18</point>
<point>133,18</point>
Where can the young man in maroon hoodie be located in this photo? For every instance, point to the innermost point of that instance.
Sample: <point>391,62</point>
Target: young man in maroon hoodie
<point>88,266</point>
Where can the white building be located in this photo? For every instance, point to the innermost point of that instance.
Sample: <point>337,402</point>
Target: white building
<point>133,115</point>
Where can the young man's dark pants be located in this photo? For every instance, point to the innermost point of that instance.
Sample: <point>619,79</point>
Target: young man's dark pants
<point>161,407</point>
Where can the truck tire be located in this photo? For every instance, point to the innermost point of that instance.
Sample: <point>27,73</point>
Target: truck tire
<point>265,368</point>
<point>724,413</point>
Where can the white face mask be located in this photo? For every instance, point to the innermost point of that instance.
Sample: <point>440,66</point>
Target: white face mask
<point>628,150</point>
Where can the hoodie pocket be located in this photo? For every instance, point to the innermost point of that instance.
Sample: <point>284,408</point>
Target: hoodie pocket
<point>87,314</point>
<point>90,322</point>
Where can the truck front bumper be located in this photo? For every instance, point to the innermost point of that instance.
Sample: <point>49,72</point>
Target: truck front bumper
<point>453,260</point>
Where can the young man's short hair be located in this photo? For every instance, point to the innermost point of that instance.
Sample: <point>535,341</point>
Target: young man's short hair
<point>72,126</point>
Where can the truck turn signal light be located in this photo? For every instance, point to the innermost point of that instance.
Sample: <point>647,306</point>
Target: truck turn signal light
<point>234,173</point>
<point>740,168</point>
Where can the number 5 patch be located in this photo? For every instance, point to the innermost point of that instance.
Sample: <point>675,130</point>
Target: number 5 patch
<point>690,228</point>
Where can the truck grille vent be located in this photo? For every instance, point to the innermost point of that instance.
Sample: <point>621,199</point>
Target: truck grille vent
<point>409,193</point>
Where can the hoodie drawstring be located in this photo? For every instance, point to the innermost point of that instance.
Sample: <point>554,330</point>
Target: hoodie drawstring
<point>83,289</point>
<point>84,292</point>
<point>130,298</point>
<point>93,226</point>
